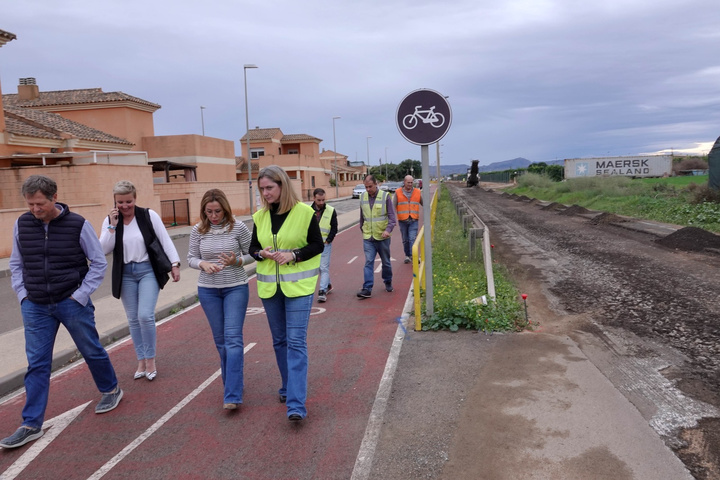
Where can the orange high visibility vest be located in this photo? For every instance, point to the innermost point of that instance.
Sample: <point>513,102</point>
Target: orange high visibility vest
<point>408,207</point>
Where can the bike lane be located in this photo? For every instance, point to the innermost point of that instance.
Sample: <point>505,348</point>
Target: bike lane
<point>175,426</point>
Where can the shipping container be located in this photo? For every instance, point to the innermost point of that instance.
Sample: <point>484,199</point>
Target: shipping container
<point>637,166</point>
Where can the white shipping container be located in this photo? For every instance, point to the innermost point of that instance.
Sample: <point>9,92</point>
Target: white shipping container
<point>639,166</point>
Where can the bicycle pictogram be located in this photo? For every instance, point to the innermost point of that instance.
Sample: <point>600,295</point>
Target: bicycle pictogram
<point>435,119</point>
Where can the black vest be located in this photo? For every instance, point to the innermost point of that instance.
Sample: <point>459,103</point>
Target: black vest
<point>142,215</point>
<point>54,266</point>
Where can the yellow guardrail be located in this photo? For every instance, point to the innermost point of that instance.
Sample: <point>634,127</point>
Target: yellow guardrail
<point>418,265</point>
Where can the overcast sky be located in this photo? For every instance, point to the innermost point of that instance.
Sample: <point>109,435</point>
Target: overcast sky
<point>540,79</point>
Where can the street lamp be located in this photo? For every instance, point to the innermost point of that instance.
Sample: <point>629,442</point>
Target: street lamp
<point>367,140</point>
<point>337,188</point>
<point>247,137</point>
<point>202,119</point>
<point>386,165</point>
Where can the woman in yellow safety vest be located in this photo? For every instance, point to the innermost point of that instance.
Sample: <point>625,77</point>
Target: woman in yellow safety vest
<point>287,243</point>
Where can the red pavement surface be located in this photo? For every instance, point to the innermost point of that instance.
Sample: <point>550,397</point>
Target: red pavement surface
<point>349,341</point>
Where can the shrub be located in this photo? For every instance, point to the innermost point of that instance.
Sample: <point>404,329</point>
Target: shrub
<point>690,163</point>
<point>534,180</point>
<point>703,194</point>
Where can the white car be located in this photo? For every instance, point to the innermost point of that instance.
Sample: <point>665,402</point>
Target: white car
<point>358,190</point>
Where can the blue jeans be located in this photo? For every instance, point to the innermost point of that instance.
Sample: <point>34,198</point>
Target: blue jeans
<point>288,319</point>
<point>225,310</point>
<point>139,296</point>
<point>41,327</point>
<point>374,247</point>
<point>325,266</point>
<point>409,231</point>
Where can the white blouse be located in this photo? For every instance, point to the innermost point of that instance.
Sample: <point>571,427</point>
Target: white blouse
<point>133,243</point>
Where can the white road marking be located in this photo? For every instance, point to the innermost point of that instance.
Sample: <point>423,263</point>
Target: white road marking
<point>352,260</point>
<point>57,425</point>
<point>364,460</point>
<point>156,426</point>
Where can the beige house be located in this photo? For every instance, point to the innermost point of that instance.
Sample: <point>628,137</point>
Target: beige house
<point>299,155</point>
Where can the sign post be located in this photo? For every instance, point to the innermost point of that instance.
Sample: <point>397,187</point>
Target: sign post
<point>423,118</point>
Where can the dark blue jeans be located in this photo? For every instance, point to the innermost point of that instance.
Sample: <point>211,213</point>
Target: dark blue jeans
<point>41,327</point>
<point>373,247</point>
<point>288,318</point>
<point>225,310</point>
<point>409,231</point>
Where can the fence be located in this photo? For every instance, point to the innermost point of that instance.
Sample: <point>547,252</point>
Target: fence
<point>175,212</point>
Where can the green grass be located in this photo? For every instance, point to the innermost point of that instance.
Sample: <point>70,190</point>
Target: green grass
<point>457,280</point>
<point>667,200</point>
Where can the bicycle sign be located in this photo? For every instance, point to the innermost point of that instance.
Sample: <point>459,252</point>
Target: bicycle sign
<point>426,116</point>
<point>423,117</point>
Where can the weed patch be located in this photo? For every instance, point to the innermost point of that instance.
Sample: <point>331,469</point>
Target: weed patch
<point>458,281</point>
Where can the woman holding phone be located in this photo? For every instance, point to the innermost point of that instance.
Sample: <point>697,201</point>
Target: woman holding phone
<point>125,232</point>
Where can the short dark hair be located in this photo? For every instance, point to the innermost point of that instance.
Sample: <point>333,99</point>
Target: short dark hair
<point>371,178</point>
<point>318,191</point>
<point>39,183</point>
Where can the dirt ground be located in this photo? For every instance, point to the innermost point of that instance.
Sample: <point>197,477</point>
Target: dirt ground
<point>643,309</point>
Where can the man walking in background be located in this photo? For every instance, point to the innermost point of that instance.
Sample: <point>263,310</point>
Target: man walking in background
<point>407,202</point>
<point>327,219</point>
<point>53,281</point>
<point>377,220</point>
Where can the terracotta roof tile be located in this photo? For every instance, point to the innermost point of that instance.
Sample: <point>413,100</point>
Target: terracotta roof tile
<point>261,134</point>
<point>299,137</point>
<point>74,97</point>
<point>39,124</point>
<point>6,37</point>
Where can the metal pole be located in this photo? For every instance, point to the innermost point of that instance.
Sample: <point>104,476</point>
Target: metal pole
<point>386,165</point>
<point>427,238</point>
<point>202,118</point>
<point>247,138</point>
<point>438,162</point>
<point>367,140</point>
<point>337,180</point>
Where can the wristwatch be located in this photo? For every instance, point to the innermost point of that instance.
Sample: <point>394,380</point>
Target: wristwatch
<point>176,264</point>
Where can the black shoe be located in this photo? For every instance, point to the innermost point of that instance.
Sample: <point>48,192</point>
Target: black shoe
<point>283,398</point>
<point>21,436</point>
<point>294,417</point>
<point>364,293</point>
<point>321,296</point>
<point>388,287</point>
<point>329,289</point>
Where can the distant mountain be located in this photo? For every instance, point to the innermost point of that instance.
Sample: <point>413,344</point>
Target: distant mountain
<point>518,162</point>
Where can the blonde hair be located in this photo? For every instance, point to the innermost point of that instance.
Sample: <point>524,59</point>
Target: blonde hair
<point>215,195</point>
<point>123,187</point>
<point>288,197</point>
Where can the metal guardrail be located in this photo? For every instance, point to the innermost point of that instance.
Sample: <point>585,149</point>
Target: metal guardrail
<point>419,265</point>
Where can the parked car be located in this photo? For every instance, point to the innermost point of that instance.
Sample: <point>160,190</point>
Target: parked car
<point>358,190</point>
<point>391,186</point>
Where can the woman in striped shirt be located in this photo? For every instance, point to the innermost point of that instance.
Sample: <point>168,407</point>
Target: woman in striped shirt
<point>219,249</point>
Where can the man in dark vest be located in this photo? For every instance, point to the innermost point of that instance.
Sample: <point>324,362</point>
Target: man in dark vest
<point>56,264</point>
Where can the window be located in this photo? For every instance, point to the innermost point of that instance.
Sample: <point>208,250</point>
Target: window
<point>256,153</point>
<point>312,181</point>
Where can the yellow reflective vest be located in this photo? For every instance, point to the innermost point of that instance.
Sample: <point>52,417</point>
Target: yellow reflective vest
<point>375,219</point>
<point>325,221</point>
<point>295,279</point>
<point>408,207</point>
